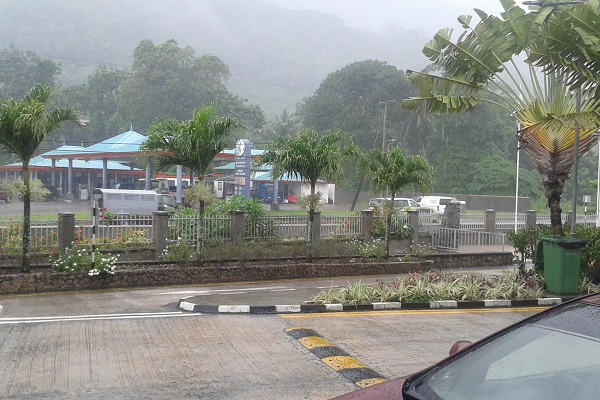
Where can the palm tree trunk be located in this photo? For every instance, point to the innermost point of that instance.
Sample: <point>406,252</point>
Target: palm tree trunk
<point>388,226</point>
<point>311,221</point>
<point>553,189</point>
<point>26,235</point>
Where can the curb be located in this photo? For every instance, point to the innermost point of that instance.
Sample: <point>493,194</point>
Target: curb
<point>320,308</point>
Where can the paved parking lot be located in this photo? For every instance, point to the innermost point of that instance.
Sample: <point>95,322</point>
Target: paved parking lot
<point>136,344</point>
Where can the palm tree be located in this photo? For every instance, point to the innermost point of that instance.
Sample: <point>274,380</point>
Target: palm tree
<point>24,125</point>
<point>309,157</point>
<point>482,66</point>
<point>391,171</point>
<point>192,144</point>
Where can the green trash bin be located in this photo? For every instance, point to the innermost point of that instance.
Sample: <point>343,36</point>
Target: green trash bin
<point>560,259</point>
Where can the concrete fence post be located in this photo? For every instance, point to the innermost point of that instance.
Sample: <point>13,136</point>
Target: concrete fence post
<point>366,219</point>
<point>160,230</point>
<point>66,231</point>
<point>316,228</point>
<point>531,220</point>
<point>490,220</point>
<point>238,222</point>
<point>413,221</point>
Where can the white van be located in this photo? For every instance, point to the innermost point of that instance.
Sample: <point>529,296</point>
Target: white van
<point>124,202</point>
<point>436,203</point>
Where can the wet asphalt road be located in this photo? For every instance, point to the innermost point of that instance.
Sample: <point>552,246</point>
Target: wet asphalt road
<point>136,344</point>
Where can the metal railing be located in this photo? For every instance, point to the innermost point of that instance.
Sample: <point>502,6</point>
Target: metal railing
<point>122,232</point>
<point>341,225</point>
<point>43,237</point>
<point>462,240</point>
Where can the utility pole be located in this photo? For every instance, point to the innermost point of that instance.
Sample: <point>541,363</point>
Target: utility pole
<point>385,103</point>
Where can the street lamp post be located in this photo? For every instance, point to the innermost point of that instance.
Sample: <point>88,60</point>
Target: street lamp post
<point>385,103</point>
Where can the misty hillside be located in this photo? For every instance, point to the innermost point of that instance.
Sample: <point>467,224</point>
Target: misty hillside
<point>276,56</point>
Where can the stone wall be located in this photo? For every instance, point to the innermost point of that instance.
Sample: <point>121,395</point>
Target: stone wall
<point>250,271</point>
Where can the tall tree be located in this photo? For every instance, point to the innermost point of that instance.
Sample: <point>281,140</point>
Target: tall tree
<point>391,171</point>
<point>21,70</point>
<point>483,60</point>
<point>24,125</point>
<point>310,157</point>
<point>171,81</point>
<point>353,100</point>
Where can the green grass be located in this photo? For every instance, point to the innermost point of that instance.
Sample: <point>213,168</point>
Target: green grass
<point>43,217</point>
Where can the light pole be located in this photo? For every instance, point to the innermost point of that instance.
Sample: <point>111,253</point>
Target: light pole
<point>597,136</point>
<point>517,177</point>
<point>385,103</point>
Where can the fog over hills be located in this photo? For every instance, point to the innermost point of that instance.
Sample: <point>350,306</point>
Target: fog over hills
<point>277,55</point>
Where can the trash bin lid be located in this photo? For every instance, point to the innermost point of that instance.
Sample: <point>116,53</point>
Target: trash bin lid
<point>565,242</point>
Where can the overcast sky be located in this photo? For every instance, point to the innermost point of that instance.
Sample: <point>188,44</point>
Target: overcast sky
<point>427,15</point>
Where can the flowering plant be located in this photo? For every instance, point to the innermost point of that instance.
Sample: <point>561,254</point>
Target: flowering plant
<point>80,260</point>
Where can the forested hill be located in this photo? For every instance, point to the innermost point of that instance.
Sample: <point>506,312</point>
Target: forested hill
<point>276,56</point>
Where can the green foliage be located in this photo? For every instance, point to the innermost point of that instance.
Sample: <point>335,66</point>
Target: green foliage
<point>252,207</point>
<point>20,70</point>
<point>350,100</point>
<point>179,252</point>
<point>524,241</point>
<point>366,250</point>
<point>590,254</point>
<point>436,286</point>
<point>404,231</point>
<point>167,80</point>
<point>193,143</point>
<point>193,195</point>
<point>77,259</point>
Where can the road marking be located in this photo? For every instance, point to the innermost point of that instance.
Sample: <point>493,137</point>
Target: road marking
<point>224,291</point>
<point>416,312</point>
<point>92,317</point>
<point>336,358</point>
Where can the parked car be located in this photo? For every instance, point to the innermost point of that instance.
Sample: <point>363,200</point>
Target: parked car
<point>5,196</point>
<point>401,203</point>
<point>553,355</point>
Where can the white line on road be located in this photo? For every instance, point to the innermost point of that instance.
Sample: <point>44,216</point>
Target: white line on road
<point>62,318</point>
<point>223,291</point>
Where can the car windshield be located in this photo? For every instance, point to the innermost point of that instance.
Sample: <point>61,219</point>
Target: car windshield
<point>556,357</point>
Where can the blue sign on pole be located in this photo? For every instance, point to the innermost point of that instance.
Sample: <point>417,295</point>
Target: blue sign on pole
<point>243,152</point>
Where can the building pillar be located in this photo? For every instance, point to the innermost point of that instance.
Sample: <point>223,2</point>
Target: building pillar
<point>148,184</point>
<point>105,173</point>
<point>179,190</point>
<point>70,195</point>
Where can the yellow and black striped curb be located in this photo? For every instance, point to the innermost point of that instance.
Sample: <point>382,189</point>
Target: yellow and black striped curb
<point>187,305</point>
<point>336,358</point>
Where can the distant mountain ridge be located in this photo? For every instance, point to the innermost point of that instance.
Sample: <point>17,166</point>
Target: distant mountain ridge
<point>276,56</point>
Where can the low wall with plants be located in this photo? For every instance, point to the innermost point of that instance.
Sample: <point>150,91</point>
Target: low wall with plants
<point>240,272</point>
